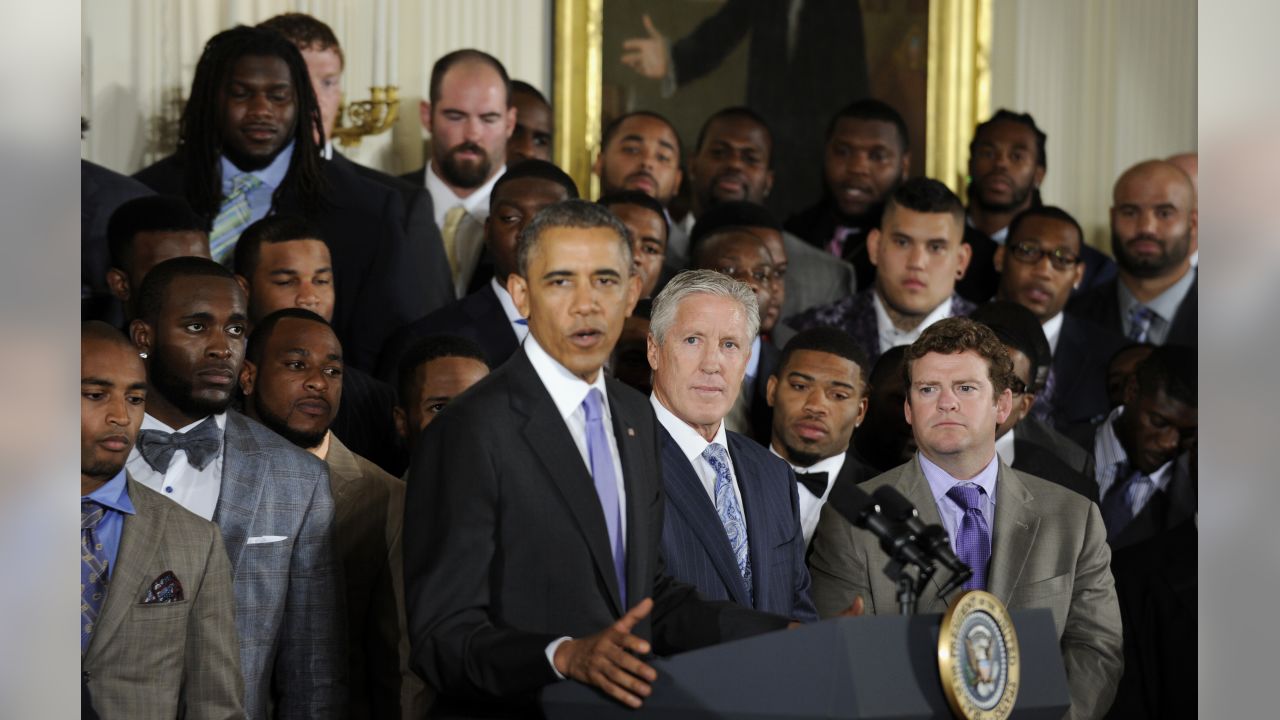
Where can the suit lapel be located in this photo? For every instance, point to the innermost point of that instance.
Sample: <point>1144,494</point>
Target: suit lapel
<point>1017,522</point>
<point>916,489</point>
<point>756,514</point>
<point>343,471</point>
<point>491,321</point>
<point>688,496</point>
<point>139,543</point>
<point>631,456</point>
<point>243,466</point>
<point>550,441</point>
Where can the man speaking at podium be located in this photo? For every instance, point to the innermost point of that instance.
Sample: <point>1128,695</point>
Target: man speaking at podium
<point>1030,543</point>
<point>535,508</point>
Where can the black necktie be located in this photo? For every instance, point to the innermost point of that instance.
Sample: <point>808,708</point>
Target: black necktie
<point>815,483</point>
<point>201,444</point>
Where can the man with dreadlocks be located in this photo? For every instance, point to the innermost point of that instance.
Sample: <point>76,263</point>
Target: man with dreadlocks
<point>247,147</point>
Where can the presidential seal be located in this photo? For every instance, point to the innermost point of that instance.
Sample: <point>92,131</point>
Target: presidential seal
<point>978,657</point>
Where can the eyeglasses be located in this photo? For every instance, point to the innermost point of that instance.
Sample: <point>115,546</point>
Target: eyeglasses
<point>761,276</point>
<point>1031,254</point>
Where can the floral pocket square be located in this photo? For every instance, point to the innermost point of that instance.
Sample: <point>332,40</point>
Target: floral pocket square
<point>164,589</point>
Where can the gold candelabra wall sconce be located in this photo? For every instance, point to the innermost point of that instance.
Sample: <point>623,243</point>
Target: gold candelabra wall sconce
<point>368,117</point>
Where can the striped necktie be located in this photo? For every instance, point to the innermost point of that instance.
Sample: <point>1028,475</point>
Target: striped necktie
<point>1140,317</point>
<point>233,218</point>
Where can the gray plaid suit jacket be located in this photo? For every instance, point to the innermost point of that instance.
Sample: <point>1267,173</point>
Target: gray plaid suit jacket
<point>166,660</point>
<point>288,594</point>
<point>1048,550</point>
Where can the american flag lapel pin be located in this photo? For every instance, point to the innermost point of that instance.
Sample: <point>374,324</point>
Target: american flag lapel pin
<point>631,432</point>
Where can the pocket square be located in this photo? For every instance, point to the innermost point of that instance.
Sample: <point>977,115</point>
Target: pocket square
<point>260,539</point>
<point>164,589</point>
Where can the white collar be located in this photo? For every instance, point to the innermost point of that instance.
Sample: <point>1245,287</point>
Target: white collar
<point>150,423</point>
<point>476,204</point>
<point>831,466</point>
<point>691,443</point>
<point>567,390</point>
<point>504,299</point>
<point>889,331</point>
<point>998,237</point>
<point>753,364</point>
<point>1005,446</point>
<point>1052,331</point>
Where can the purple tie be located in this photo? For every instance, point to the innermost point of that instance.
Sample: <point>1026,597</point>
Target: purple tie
<point>973,541</point>
<point>606,481</point>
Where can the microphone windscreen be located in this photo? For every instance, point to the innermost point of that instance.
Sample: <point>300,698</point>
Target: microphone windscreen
<point>893,503</point>
<point>852,502</point>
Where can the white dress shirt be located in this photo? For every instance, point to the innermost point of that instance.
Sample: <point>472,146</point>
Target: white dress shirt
<point>1112,459</point>
<point>442,196</point>
<point>1005,445</point>
<point>693,445</point>
<point>195,490</point>
<point>1052,331</point>
<point>568,392</point>
<point>518,323</point>
<point>810,504</point>
<point>891,336</point>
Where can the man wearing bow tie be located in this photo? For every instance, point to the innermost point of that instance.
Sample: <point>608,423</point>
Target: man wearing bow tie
<point>731,527</point>
<point>818,395</point>
<point>157,620</point>
<point>271,500</point>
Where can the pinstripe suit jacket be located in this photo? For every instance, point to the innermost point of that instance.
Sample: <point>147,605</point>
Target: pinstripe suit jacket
<point>698,551</point>
<point>288,595</point>
<point>1048,550</point>
<point>166,660</point>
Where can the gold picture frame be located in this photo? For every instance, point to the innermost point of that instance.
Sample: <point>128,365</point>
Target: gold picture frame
<point>958,95</point>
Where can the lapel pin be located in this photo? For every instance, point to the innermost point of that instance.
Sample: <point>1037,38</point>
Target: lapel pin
<point>631,432</point>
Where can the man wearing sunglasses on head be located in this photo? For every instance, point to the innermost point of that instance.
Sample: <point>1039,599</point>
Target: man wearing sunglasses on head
<point>1040,264</point>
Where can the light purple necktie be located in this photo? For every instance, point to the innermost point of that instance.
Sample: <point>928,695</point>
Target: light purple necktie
<point>606,481</point>
<point>973,540</point>
<point>1140,318</point>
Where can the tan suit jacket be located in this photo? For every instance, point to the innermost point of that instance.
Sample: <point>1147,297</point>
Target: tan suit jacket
<point>166,660</point>
<point>368,517</point>
<point>1048,550</point>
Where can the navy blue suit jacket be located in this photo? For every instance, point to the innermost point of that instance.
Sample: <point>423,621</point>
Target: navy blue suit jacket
<point>698,551</point>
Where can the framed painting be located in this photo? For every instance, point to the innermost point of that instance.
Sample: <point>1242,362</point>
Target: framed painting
<point>796,62</point>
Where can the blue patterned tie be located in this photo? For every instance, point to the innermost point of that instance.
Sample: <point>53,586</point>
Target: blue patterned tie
<point>606,481</point>
<point>735,526</point>
<point>973,541</point>
<point>1117,506</point>
<point>233,218</point>
<point>1140,317</point>
<point>93,570</point>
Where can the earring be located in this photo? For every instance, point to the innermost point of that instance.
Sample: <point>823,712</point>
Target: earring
<point>142,355</point>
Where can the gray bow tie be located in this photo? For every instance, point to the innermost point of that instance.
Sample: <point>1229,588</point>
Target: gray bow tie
<point>201,444</point>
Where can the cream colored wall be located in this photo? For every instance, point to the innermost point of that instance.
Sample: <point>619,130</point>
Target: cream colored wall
<point>1112,82</point>
<point>138,58</point>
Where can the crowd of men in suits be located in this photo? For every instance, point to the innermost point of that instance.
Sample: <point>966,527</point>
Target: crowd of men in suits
<point>358,445</point>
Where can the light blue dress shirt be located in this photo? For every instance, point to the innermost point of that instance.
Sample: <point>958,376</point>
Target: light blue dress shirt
<point>271,176</point>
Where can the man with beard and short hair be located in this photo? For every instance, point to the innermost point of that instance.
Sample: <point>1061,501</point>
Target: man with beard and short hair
<point>818,396</point>
<point>919,255</point>
<point>282,263</point>
<point>866,156</point>
<point>641,151</point>
<point>145,560</point>
<point>731,165</point>
<point>143,233</point>
<point>731,525</point>
<point>270,500</point>
<point>535,127</point>
<point>743,256</point>
<point>1040,266</point>
<point>293,383</point>
<point>470,118</point>
<point>249,148</point>
<point>325,63</point>
<point>1153,233</point>
<point>488,316</point>
<point>650,232</point>
<point>1007,163</point>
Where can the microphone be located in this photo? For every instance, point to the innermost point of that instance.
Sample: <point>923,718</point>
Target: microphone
<point>932,538</point>
<point>856,506</point>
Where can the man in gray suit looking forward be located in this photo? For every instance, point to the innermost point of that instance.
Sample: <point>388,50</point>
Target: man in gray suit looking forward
<point>1030,543</point>
<point>270,499</point>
